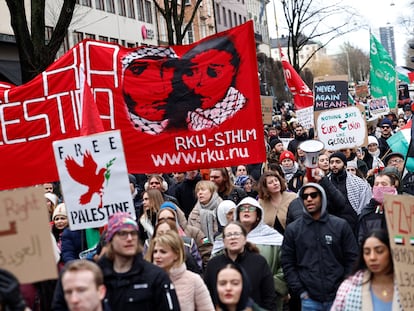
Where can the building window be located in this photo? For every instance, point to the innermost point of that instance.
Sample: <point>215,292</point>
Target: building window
<point>240,19</point>
<point>130,45</point>
<point>140,7</point>
<point>224,17</point>
<point>77,37</point>
<point>110,6</point>
<point>218,16</point>
<point>90,36</point>
<point>113,40</point>
<point>103,38</point>
<point>235,18</point>
<point>148,12</point>
<point>190,35</point>
<point>86,3</point>
<point>230,21</point>
<point>121,8</point>
<point>130,9</point>
<point>100,5</point>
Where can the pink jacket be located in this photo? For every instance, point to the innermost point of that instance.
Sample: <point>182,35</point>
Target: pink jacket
<point>192,293</point>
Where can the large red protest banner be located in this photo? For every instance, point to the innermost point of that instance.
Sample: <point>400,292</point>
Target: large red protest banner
<point>178,107</point>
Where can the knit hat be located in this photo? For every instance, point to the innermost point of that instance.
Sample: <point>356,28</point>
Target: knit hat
<point>168,204</point>
<point>351,164</point>
<point>51,197</point>
<point>372,140</point>
<point>118,222</point>
<point>339,155</point>
<point>60,210</point>
<point>273,142</point>
<point>286,155</point>
<point>386,121</point>
<point>241,180</point>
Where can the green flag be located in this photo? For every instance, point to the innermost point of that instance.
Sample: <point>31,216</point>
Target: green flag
<point>383,76</point>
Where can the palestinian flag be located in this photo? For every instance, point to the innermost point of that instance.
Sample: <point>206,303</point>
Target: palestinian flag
<point>399,240</point>
<point>412,240</point>
<point>401,142</point>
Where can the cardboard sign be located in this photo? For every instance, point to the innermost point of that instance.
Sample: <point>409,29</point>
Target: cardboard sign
<point>93,174</point>
<point>332,93</point>
<point>25,238</point>
<point>267,109</point>
<point>399,212</point>
<point>342,128</point>
<point>305,117</point>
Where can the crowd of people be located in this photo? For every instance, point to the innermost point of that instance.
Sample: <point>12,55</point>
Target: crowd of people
<point>266,236</point>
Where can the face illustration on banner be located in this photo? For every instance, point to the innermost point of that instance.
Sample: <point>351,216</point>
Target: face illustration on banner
<point>165,93</point>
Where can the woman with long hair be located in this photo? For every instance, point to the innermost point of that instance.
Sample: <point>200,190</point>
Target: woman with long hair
<point>151,202</point>
<point>233,289</point>
<point>372,285</point>
<point>167,252</point>
<point>274,200</point>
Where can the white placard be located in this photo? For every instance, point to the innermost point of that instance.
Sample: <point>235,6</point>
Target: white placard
<point>94,178</point>
<point>341,128</point>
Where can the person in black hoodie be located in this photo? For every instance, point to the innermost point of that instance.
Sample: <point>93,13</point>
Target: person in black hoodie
<point>300,136</point>
<point>318,251</point>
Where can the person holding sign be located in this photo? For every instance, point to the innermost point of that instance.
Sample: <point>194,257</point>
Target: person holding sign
<point>371,286</point>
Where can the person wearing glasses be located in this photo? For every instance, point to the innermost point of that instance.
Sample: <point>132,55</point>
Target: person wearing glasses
<point>131,282</point>
<point>238,250</point>
<point>318,251</point>
<point>396,159</point>
<point>386,132</point>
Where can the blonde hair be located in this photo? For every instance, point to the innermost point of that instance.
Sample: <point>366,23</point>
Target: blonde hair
<point>171,239</point>
<point>206,184</point>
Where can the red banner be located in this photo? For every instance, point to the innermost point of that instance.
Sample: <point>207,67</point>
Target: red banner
<point>178,108</point>
<point>302,94</point>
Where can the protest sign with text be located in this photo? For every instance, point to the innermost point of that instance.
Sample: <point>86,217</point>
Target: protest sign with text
<point>25,238</point>
<point>330,92</point>
<point>342,128</point>
<point>399,214</point>
<point>94,178</point>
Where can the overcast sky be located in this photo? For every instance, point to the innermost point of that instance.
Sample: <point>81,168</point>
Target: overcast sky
<point>377,13</point>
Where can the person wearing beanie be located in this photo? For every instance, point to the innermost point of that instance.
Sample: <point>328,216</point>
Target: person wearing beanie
<point>276,148</point>
<point>291,170</point>
<point>315,279</point>
<point>357,190</point>
<point>59,223</point>
<point>132,283</point>
<point>51,202</point>
<point>372,159</point>
<point>386,132</point>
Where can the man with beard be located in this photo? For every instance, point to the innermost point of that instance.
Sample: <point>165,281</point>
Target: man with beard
<point>300,136</point>
<point>357,191</point>
<point>318,251</point>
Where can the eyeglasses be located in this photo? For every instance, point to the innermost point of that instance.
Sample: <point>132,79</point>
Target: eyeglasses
<point>233,234</point>
<point>166,218</point>
<point>247,208</point>
<point>123,235</point>
<point>395,161</point>
<point>313,195</point>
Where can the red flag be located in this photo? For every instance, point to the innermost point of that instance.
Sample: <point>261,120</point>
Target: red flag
<point>411,76</point>
<point>91,122</point>
<point>302,94</point>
